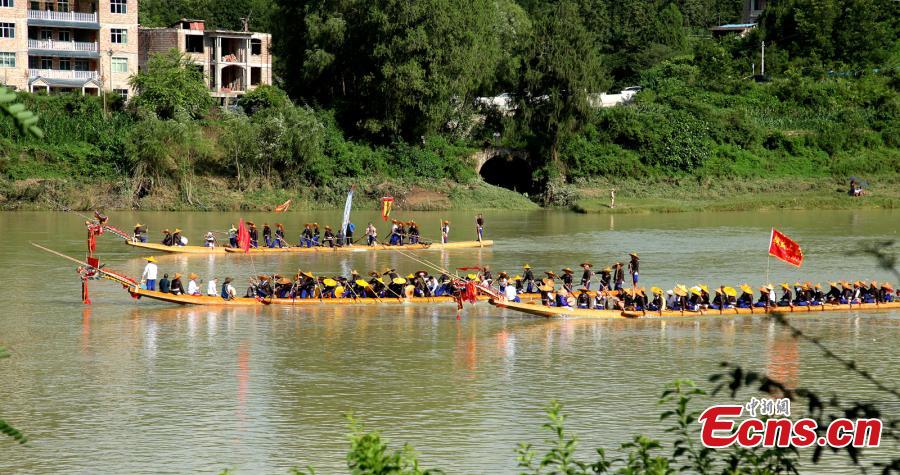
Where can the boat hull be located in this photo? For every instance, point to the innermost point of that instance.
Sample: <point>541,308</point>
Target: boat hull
<point>151,246</point>
<point>363,248</point>
<point>557,312</point>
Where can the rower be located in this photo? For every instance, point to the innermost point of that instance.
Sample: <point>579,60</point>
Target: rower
<point>232,237</point>
<point>528,279</point>
<point>502,281</point>
<point>887,292</point>
<point>445,232</point>
<point>800,299</point>
<point>167,238</point>
<point>633,265</point>
<point>567,279</point>
<point>583,300</point>
<point>872,293</point>
<point>834,293</point>
<point>371,234</point>
<point>212,287</point>
<point>618,276</point>
<point>479,227</point>
<point>401,232</point>
<point>546,291</point>
<point>421,284</point>
<point>487,277</point>
<point>165,285</point>
<point>140,233</point>
<point>786,298</point>
<point>149,274</point>
<point>328,237</point>
<point>746,298</point>
<point>177,239</point>
<point>193,288</point>
<point>176,286</point>
<point>695,300</point>
<point>681,302</point>
<point>315,233</point>
<point>267,235</point>
<point>394,237</point>
<point>280,240</point>
<point>306,236</point>
<point>562,298</point>
<point>587,275</point>
<point>283,287</point>
<point>605,278</point>
<point>846,293</point>
<point>818,296</point>
<point>348,234</point>
<point>719,301</point>
<point>210,239</point>
<point>413,233</point>
<point>254,234</point>
<point>228,291</point>
<point>517,280</point>
<point>659,302</point>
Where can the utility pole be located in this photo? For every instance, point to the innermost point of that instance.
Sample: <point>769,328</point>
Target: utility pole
<point>762,65</point>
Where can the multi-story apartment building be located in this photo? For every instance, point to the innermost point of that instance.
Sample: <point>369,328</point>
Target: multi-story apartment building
<point>233,62</point>
<point>69,45</point>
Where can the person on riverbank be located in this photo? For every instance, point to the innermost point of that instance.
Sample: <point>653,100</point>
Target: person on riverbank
<point>371,234</point>
<point>445,231</point>
<point>479,227</point>
<point>149,274</point>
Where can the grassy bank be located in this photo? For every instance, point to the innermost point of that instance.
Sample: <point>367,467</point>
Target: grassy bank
<point>733,195</point>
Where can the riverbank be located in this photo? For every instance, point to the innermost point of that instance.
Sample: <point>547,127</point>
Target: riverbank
<point>673,195</point>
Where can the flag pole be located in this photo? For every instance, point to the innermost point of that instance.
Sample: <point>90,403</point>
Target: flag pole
<point>768,258</point>
<point>769,254</point>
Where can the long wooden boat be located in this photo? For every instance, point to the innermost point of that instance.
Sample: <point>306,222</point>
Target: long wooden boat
<point>560,312</point>
<point>307,250</point>
<point>205,300</point>
<point>364,248</point>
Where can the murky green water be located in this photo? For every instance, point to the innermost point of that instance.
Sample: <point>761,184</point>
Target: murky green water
<point>126,386</point>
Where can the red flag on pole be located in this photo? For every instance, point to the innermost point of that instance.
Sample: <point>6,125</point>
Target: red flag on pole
<point>386,204</point>
<point>243,237</point>
<point>785,248</point>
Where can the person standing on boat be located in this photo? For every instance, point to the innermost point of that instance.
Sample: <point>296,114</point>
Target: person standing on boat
<point>371,234</point>
<point>479,227</point>
<point>232,236</point>
<point>633,268</point>
<point>445,232</point>
<point>212,288</point>
<point>618,276</point>
<point>605,278</point>
<point>413,233</point>
<point>279,236</point>
<point>587,275</point>
<point>528,279</point>
<point>140,233</point>
<point>254,234</point>
<point>267,235</point>
<point>149,274</point>
<point>193,288</point>
<point>228,290</point>
<point>210,239</point>
<point>567,279</point>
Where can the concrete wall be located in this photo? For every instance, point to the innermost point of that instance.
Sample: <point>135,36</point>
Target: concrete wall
<point>129,51</point>
<point>16,77</point>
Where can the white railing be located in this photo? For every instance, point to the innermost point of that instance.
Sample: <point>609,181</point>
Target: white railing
<point>62,16</point>
<point>63,45</point>
<point>61,74</point>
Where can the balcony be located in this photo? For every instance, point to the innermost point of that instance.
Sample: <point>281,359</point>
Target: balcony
<point>66,48</point>
<point>63,19</point>
<point>62,74</point>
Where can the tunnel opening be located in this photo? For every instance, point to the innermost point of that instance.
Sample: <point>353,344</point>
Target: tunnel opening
<point>508,171</point>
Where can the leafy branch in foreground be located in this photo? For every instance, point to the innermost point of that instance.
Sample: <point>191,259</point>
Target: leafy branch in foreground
<point>25,119</point>
<point>5,428</point>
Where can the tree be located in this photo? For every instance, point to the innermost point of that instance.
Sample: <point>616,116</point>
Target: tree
<point>561,70</point>
<point>171,87</point>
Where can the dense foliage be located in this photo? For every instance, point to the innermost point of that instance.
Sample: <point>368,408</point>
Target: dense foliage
<point>390,89</point>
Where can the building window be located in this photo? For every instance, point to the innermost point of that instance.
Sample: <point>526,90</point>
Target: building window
<point>65,64</point>
<point>46,35</point>
<point>193,43</point>
<point>81,65</point>
<point>118,6</point>
<point>120,65</point>
<point>7,60</point>
<point>46,63</point>
<point>255,76</point>
<point>65,35</point>
<point>255,47</point>
<point>118,35</point>
<point>122,92</point>
<point>7,30</point>
<point>63,5</point>
<point>7,3</point>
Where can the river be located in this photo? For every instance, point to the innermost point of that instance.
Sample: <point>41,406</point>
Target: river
<point>125,386</point>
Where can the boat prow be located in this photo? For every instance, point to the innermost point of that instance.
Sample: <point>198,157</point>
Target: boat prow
<point>556,312</point>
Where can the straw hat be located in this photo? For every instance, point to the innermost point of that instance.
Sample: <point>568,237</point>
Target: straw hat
<point>150,259</point>
<point>166,231</point>
<point>696,291</point>
<point>730,291</point>
<point>471,276</point>
<point>526,266</point>
<point>263,277</point>
<point>315,225</point>
<point>704,287</point>
<point>818,286</point>
<point>329,282</point>
<point>177,275</point>
<point>446,222</point>
<point>176,231</point>
<point>846,285</point>
<point>362,283</point>
<point>399,281</point>
<point>634,255</point>
<point>138,225</point>
<point>588,264</point>
<point>517,277</point>
<point>250,223</point>
<point>328,227</point>
<point>607,269</point>
<point>388,270</point>
<point>746,288</point>
<point>307,274</point>
<point>285,281</point>
<point>785,286</point>
<point>548,281</point>
<point>192,276</point>
<point>354,272</point>
<point>410,276</point>
<point>887,286</point>
<point>567,270</point>
<point>550,274</point>
<point>656,290</point>
<point>379,280</point>
<point>279,225</point>
<point>545,288</point>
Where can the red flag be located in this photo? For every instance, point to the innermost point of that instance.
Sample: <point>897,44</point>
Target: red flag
<point>386,204</point>
<point>283,207</point>
<point>785,248</point>
<point>243,237</point>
